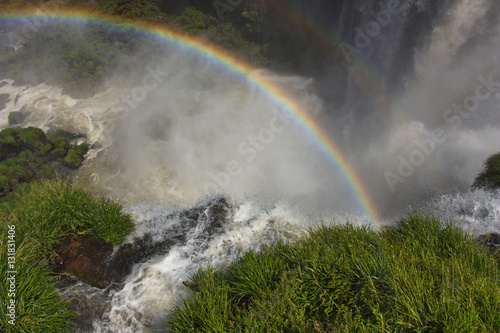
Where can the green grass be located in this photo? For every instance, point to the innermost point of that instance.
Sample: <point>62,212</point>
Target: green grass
<point>420,276</point>
<point>43,213</point>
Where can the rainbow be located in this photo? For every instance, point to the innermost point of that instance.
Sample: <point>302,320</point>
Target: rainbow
<point>318,135</point>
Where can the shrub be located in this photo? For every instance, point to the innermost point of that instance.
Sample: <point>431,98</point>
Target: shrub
<point>489,178</point>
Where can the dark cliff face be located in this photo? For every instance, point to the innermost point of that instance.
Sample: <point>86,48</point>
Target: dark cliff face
<point>382,35</point>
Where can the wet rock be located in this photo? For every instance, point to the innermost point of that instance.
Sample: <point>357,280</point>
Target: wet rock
<point>73,160</point>
<point>492,243</point>
<point>93,261</point>
<point>84,256</point>
<point>142,249</point>
<point>208,219</point>
<point>4,98</point>
<point>56,264</point>
<point>17,117</point>
<point>27,154</point>
<point>65,134</point>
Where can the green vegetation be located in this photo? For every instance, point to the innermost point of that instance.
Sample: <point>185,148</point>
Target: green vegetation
<point>224,34</point>
<point>420,276</point>
<point>27,154</point>
<point>43,213</point>
<point>144,9</point>
<point>6,5</point>
<point>489,178</point>
<point>77,58</point>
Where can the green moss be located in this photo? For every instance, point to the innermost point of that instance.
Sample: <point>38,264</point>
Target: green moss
<point>14,161</point>
<point>27,155</point>
<point>46,171</point>
<point>38,157</point>
<point>3,181</point>
<point>31,135</point>
<point>82,149</point>
<point>73,159</point>
<point>58,153</point>
<point>7,136</point>
<point>60,142</point>
<point>43,149</point>
<point>3,169</point>
<point>21,172</point>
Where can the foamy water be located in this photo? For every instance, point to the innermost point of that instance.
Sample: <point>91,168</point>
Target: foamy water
<point>153,287</point>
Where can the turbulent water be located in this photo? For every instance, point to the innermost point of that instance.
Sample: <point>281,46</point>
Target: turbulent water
<point>417,135</point>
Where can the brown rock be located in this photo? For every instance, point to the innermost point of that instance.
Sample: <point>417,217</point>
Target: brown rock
<point>84,256</point>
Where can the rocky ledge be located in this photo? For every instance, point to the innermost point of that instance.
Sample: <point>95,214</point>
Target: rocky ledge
<point>96,262</point>
<point>28,154</point>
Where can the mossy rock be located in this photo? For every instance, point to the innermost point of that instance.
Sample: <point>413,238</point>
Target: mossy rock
<point>82,149</point>
<point>14,161</point>
<point>60,142</point>
<point>73,159</point>
<point>3,180</point>
<point>58,153</point>
<point>4,170</point>
<point>27,154</point>
<point>31,135</point>
<point>35,138</point>
<point>43,149</point>
<point>22,172</point>
<point>46,171</point>
<point>8,136</point>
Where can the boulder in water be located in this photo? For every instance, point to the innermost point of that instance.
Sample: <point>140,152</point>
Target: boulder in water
<point>17,117</point>
<point>492,243</point>
<point>4,98</point>
<point>84,256</point>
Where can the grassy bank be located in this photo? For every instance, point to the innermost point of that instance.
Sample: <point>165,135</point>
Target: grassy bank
<point>41,214</point>
<point>420,276</point>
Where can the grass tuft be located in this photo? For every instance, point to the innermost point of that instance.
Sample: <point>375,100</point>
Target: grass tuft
<point>43,213</point>
<point>420,276</point>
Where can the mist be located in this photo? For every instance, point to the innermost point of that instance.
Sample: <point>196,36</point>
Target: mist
<point>205,131</point>
<point>414,110</point>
